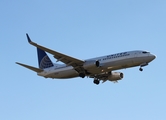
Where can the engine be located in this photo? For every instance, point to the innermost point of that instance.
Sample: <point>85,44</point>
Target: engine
<point>115,76</point>
<point>91,64</point>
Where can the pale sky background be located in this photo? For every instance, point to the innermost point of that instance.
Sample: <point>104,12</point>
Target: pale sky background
<point>82,29</point>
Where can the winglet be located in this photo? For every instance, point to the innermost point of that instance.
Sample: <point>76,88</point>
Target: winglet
<point>29,40</point>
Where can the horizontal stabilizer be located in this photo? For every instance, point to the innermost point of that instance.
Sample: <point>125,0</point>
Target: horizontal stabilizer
<point>30,67</point>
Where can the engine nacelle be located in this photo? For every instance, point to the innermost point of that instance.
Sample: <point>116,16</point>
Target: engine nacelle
<point>115,76</point>
<point>91,64</point>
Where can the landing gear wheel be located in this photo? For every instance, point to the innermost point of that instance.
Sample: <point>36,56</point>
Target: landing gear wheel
<point>82,75</point>
<point>140,69</point>
<point>96,81</point>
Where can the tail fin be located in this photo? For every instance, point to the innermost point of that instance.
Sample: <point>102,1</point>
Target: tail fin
<point>43,59</point>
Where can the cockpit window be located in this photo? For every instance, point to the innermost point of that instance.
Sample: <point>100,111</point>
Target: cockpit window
<point>145,52</point>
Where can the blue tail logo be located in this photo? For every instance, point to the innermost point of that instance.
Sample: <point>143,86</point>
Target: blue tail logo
<point>43,59</point>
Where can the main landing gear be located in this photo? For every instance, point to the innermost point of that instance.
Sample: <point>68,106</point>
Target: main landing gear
<point>82,75</point>
<point>96,81</point>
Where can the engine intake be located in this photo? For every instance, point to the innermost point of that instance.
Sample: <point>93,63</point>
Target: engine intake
<point>115,76</point>
<point>91,64</point>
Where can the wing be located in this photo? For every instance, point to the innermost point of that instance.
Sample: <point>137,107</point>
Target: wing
<point>76,63</point>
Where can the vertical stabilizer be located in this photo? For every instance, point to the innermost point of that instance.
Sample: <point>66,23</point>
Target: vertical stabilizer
<point>43,59</point>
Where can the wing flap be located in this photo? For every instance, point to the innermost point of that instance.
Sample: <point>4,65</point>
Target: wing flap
<point>30,67</point>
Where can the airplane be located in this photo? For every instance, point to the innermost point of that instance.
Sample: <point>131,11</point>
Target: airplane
<point>99,68</point>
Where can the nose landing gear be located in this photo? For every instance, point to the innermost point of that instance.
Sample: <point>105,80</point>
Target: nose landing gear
<point>142,65</point>
<point>141,69</point>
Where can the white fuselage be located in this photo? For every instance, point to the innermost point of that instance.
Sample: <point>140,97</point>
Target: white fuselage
<point>107,63</point>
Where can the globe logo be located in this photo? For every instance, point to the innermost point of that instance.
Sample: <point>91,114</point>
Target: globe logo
<point>45,62</point>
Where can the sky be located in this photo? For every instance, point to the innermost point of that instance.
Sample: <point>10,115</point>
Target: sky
<point>82,29</point>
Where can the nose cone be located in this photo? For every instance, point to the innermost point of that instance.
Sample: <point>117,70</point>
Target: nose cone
<point>152,57</point>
